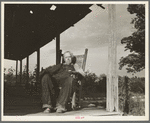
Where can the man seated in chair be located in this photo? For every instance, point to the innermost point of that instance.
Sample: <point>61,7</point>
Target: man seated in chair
<point>60,76</point>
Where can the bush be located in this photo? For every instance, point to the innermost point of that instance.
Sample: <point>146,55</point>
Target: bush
<point>137,85</point>
<point>94,85</point>
<point>10,78</point>
<point>131,95</point>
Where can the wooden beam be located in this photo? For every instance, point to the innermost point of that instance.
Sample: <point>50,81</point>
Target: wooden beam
<point>57,49</point>
<point>20,70</point>
<point>16,70</point>
<point>38,65</point>
<point>112,78</point>
<point>27,62</point>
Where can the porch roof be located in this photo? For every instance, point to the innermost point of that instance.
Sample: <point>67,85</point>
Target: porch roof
<point>28,27</point>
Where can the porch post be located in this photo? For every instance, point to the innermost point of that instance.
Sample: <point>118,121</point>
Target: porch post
<point>16,69</point>
<point>112,78</point>
<point>57,49</point>
<point>38,65</point>
<point>60,54</point>
<point>27,62</point>
<point>20,70</point>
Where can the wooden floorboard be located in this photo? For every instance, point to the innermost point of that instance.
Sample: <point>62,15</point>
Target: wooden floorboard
<point>83,112</point>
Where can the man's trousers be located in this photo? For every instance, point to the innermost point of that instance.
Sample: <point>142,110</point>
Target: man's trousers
<point>52,95</point>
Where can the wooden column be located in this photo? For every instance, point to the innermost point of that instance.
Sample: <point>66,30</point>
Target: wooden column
<point>20,70</point>
<point>16,69</point>
<point>112,78</point>
<point>60,54</point>
<point>27,63</point>
<point>57,49</point>
<point>38,65</point>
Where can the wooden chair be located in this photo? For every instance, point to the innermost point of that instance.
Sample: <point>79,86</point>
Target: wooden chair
<point>81,61</point>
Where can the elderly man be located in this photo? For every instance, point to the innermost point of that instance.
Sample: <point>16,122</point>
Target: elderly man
<point>59,76</point>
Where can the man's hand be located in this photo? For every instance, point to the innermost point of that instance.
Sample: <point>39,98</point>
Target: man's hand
<point>74,74</point>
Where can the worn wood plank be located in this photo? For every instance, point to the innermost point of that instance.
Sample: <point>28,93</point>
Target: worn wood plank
<point>112,79</point>
<point>114,66</point>
<point>108,103</point>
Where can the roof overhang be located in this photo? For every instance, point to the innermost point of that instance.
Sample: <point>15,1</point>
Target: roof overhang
<point>28,27</point>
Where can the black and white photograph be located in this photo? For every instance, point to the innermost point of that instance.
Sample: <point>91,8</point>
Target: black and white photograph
<point>75,61</point>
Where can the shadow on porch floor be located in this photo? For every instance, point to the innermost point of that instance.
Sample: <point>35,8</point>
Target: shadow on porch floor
<point>17,103</point>
<point>21,106</point>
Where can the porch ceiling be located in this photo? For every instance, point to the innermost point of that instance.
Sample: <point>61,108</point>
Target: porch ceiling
<point>28,27</point>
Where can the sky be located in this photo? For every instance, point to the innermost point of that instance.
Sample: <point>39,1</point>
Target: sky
<point>92,33</point>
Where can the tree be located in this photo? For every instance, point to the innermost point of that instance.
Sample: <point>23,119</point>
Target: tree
<point>135,43</point>
<point>102,83</point>
<point>5,69</point>
<point>24,73</point>
<point>11,71</point>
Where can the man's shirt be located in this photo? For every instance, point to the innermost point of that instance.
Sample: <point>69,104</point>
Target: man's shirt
<point>61,71</point>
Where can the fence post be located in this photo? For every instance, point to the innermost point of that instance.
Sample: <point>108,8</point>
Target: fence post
<point>126,107</point>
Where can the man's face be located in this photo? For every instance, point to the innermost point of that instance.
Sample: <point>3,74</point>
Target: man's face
<point>67,58</point>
